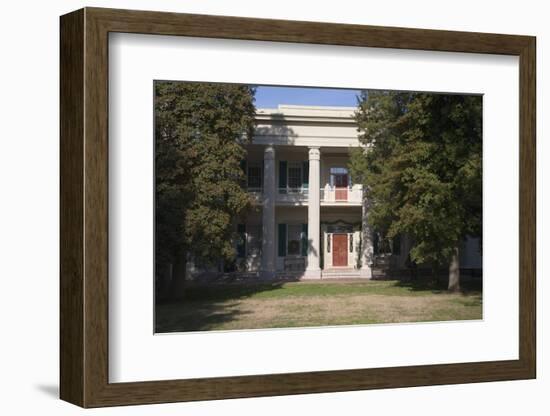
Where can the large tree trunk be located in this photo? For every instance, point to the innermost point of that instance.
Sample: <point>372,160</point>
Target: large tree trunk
<point>454,273</point>
<point>177,287</point>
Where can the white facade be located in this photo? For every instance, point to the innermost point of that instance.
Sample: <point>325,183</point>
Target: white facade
<point>310,219</point>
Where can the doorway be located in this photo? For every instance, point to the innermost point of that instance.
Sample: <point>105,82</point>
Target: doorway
<point>339,250</point>
<point>339,179</point>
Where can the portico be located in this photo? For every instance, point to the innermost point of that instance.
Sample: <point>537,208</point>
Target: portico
<point>309,211</point>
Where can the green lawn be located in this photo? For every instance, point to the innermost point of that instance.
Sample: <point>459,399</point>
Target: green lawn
<point>226,306</point>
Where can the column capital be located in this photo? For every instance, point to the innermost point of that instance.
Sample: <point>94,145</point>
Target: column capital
<point>269,152</point>
<point>314,153</point>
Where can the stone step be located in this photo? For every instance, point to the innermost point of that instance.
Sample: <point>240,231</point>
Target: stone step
<point>336,273</point>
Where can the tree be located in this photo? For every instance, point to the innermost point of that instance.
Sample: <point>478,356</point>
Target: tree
<point>201,130</point>
<point>421,167</point>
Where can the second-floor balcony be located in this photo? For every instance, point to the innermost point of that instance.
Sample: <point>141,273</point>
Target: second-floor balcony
<point>292,196</point>
<point>290,175</point>
<point>328,195</point>
<point>333,195</point>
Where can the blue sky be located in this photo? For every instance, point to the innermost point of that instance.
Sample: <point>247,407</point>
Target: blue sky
<point>271,96</point>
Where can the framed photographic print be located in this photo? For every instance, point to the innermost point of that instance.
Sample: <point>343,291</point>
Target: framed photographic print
<point>255,207</point>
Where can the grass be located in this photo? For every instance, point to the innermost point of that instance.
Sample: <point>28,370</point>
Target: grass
<point>255,305</point>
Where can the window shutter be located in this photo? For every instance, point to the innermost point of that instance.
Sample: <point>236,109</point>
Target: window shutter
<point>305,174</point>
<point>305,241</point>
<point>282,240</point>
<point>282,174</point>
<point>241,243</point>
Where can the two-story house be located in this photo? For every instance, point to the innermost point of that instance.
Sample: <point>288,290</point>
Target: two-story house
<point>309,218</point>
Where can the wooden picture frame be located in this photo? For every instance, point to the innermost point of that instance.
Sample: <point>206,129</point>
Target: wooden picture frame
<point>84,207</point>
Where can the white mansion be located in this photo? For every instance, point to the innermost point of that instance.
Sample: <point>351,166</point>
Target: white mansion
<point>310,219</point>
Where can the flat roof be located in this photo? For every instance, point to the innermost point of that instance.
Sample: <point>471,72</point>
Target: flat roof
<point>308,111</point>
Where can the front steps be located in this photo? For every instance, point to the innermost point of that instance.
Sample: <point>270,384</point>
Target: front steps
<point>334,273</point>
<point>344,273</point>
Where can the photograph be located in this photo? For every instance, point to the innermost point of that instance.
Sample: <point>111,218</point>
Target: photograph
<point>291,206</point>
<point>315,209</point>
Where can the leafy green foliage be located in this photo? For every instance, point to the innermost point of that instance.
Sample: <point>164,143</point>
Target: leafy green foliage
<point>201,130</point>
<point>421,168</point>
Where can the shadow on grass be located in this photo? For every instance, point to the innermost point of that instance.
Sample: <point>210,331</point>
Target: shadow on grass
<point>223,291</point>
<point>215,305</point>
<point>205,306</point>
<point>470,286</point>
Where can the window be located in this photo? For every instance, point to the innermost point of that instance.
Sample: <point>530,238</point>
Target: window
<point>281,252</point>
<point>294,239</point>
<point>338,171</point>
<point>254,240</point>
<point>339,177</point>
<point>294,175</point>
<point>255,175</point>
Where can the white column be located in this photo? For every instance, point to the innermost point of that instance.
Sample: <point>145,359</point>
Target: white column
<point>366,240</point>
<point>313,270</point>
<point>268,215</point>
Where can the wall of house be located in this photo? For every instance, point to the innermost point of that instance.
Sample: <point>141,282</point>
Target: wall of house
<point>292,129</point>
<point>289,216</point>
<point>253,238</point>
<point>300,154</point>
<point>328,248</point>
<point>302,126</point>
<point>341,215</point>
<point>332,161</point>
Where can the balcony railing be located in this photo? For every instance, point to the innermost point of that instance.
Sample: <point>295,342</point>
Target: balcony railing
<point>331,194</point>
<point>293,191</point>
<point>290,195</point>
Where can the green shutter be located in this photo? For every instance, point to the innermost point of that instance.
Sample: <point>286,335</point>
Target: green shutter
<point>241,242</point>
<point>282,240</point>
<point>282,174</point>
<point>305,241</point>
<point>305,174</point>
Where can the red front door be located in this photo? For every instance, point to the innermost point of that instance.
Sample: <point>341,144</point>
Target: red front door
<point>341,184</point>
<point>339,250</point>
